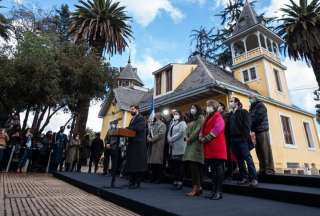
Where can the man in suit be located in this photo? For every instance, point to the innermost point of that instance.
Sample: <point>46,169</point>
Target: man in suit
<point>137,149</point>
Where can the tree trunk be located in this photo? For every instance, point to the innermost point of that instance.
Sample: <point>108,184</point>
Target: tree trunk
<point>35,119</point>
<point>43,112</point>
<point>49,116</point>
<point>82,116</point>
<point>26,117</point>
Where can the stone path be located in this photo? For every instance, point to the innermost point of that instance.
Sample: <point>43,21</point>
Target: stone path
<point>39,194</point>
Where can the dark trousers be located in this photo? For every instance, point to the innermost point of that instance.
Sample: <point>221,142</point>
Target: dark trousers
<point>106,160</point>
<point>156,172</point>
<point>196,171</point>
<point>115,161</point>
<point>135,178</point>
<point>264,152</point>
<point>95,160</point>
<point>71,167</point>
<point>177,169</point>
<point>217,173</point>
<point>1,158</point>
<point>241,149</point>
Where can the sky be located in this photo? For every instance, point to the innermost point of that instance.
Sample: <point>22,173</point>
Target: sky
<point>162,31</point>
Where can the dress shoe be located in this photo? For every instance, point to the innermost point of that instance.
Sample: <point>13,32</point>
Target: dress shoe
<point>215,196</point>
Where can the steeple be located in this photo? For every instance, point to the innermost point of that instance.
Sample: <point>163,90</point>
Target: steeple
<point>129,76</point>
<point>247,19</point>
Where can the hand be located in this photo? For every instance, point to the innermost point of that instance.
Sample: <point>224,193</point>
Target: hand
<point>108,146</point>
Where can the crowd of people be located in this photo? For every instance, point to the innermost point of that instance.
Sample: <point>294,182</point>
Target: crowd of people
<point>208,142</point>
<point>204,142</point>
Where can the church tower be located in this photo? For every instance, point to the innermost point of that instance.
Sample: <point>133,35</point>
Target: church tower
<point>256,56</point>
<point>128,76</point>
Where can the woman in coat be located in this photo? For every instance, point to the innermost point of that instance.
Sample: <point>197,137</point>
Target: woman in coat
<point>84,152</point>
<point>73,153</point>
<point>156,138</point>
<point>193,156</point>
<point>177,143</point>
<point>215,149</point>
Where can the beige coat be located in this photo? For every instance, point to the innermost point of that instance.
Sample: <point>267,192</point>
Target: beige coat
<point>73,149</point>
<point>157,142</point>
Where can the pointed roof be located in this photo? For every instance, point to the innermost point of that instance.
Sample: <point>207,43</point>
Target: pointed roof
<point>247,19</point>
<point>130,73</point>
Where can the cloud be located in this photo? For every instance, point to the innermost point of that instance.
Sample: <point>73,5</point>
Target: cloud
<point>200,2</point>
<point>18,1</point>
<point>273,9</point>
<point>145,68</point>
<point>145,11</point>
<point>301,84</point>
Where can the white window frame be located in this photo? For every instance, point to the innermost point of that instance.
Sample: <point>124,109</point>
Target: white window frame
<point>249,74</point>
<point>288,145</point>
<point>312,137</point>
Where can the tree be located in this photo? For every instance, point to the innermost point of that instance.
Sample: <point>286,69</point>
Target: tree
<point>103,25</point>
<point>300,29</point>
<point>215,50</point>
<point>4,26</point>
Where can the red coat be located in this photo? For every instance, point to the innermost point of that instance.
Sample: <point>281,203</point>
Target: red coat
<point>216,148</point>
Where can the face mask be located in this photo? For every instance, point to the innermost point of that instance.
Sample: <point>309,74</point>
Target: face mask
<point>133,113</point>
<point>252,100</point>
<point>176,117</point>
<point>193,111</point>
<point>209,109</point>
<point>113,126</point>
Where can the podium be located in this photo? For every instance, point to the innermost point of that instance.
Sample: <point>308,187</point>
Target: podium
<point>123,132</point>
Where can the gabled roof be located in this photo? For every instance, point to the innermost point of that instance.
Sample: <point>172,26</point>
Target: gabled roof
<point>129,73</point>
<point>247,19</point>
<point>125,97</point>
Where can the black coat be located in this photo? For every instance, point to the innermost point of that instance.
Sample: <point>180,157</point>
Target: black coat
<point>137,147</point>
<point>96,148</point>
<point>259,117</point>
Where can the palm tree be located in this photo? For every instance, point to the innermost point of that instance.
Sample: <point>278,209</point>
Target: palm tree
<point>4,26</point>
<point>103,24</point>
<point>300,29</point>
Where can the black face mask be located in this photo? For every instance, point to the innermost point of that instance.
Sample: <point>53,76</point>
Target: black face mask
<point>133,113</point>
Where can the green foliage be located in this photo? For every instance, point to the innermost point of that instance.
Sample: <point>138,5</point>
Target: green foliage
<point>4,26</point>
<point>103,24</point>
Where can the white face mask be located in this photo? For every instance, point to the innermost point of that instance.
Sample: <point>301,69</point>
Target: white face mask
<point>209,109</point>
<point>176,117</point>
<point>193,111</point>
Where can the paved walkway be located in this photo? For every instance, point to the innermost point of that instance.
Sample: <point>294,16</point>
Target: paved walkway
<point>38,195</point>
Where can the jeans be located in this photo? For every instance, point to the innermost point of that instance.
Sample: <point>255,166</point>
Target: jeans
<point>241,149</point>
<point>26,155</point>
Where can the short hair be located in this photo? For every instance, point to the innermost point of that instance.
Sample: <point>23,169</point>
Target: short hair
<point>97,134</point>
<point>135,106</point>
<point>215,104</point>
<point>237,100</point>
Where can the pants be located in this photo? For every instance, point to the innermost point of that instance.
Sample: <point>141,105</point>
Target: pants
<point>241,149</point>
<point>107,155</point>
<point>264,152</point>
<point>156,172</point>
<point>177,169</point>
<point>217,174</point>
<point>135,178</point>
<point>26,155</point>
<point>1,158</point>
<point>196,171</point>
<point>71,167</point>
<point>95,160</point>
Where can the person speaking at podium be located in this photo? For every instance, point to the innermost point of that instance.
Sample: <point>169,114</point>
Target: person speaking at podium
<point>137,149</point>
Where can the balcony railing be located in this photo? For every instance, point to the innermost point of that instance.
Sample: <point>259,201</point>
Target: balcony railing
<point>254,53</point>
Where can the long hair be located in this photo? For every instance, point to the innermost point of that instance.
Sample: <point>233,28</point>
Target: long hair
<point>199,112</point>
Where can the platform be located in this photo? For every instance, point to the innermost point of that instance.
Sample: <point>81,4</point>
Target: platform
<point>159,199</point>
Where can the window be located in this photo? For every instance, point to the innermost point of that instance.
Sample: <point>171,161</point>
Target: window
<point>253,73</point>
<point>278,81</point>
<point>158,84</point>
<point>307,130</point>
<point>287,130</point>
<point>293,165</point>
<point>169,80</point>
<point>249,75</point>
